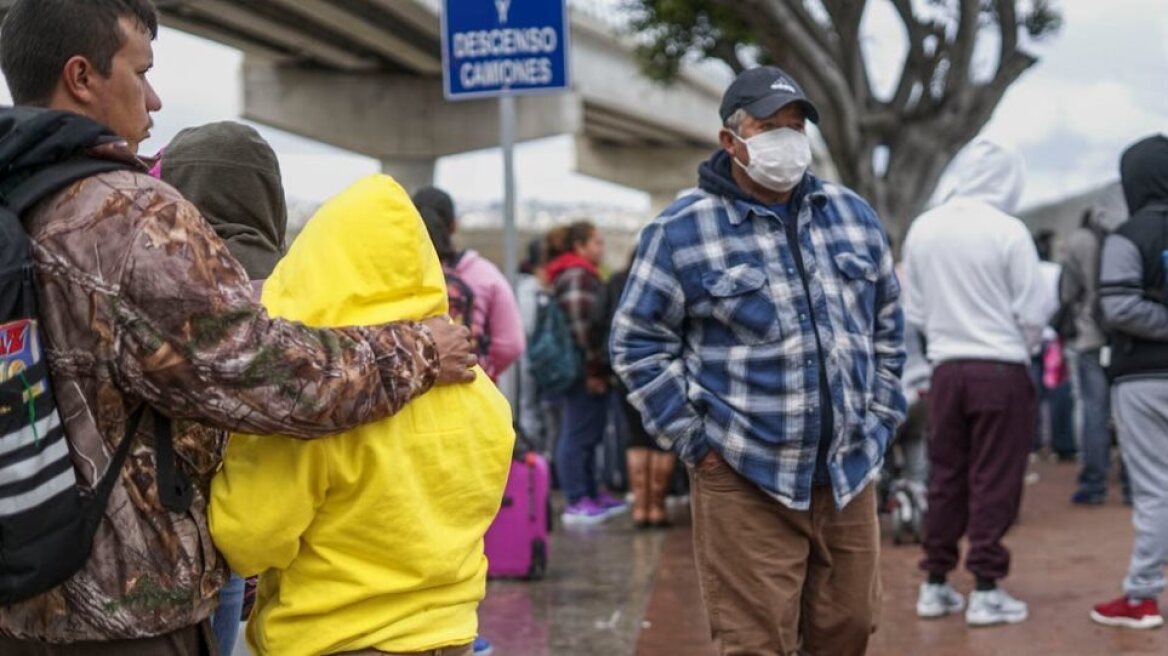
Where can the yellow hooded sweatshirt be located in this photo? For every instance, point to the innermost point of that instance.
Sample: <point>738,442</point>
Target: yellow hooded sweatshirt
<point>371,538</point>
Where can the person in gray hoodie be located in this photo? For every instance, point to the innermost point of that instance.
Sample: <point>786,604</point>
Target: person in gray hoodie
<point>1132,286</point>
<point>1080,324</point>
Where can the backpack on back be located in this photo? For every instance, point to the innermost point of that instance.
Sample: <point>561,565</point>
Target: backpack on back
<point>461,299</point>
<point>47,521</point>
<point>552,355</point>
<point>1065,319</point>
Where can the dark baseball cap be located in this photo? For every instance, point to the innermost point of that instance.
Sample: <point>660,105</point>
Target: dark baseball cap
<point>762,91</point>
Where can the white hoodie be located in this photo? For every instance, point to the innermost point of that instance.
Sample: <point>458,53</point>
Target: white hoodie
<point>974,284</point>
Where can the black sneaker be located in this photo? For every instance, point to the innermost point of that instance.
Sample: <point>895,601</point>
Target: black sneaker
<point>1087,498</point>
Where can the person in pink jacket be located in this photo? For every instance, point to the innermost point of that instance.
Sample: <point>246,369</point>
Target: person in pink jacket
<point>496,312</point>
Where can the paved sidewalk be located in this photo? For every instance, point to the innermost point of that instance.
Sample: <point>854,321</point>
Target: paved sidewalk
<point>1065,559</point>
<point>612,591</point>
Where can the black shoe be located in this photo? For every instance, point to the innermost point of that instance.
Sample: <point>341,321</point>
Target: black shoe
<point>1086,498</point>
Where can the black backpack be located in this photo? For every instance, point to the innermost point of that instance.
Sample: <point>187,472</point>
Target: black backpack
<point>461,299</point>
<point>47,521</point>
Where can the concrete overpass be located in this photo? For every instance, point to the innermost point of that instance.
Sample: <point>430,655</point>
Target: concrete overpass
<point>365,75</point>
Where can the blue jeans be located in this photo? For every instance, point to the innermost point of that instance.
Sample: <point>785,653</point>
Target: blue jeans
<point>1092,419</point>
<point>225,621</point>
<point>583,420</point>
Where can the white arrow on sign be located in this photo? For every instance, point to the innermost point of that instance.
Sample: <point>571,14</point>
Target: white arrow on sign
<point>503,6</point>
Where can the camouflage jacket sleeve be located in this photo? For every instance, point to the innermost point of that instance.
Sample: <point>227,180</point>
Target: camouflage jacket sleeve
<point>191,341</point>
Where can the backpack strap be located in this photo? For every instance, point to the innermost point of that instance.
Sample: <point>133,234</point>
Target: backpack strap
<point>174,490</point>
<point>174,487</point>
<point>113,471</point>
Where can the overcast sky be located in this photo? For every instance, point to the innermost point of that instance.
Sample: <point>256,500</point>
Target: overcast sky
<point>1102,83</point>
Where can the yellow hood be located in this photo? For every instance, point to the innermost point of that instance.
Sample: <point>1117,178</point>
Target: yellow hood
<point>371,238</point>
<point>371,538</point>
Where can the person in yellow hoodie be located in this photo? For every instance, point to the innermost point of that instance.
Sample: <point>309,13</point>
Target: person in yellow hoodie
<point>368,541</point>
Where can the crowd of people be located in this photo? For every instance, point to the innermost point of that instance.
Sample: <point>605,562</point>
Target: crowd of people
<point>763,338</point>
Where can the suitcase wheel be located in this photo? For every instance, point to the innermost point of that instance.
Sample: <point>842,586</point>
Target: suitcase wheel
<point>538,560</point>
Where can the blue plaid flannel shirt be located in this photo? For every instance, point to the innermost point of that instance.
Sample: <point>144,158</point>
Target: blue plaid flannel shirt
<point>715,341</point>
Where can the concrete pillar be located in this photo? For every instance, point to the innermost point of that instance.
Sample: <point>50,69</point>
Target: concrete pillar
<point>410,172</point>
<point>662,171</point>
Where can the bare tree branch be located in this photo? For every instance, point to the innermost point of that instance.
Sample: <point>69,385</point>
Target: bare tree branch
<point>1008,22</point>
<point>960,61</point>
<point>727,51</point>
<point>822,35</point>
<point>914,60</point>
<point>776,20</point>
<point>846,16</point>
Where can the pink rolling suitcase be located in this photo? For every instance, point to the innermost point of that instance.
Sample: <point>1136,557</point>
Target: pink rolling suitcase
<point>517,541</point>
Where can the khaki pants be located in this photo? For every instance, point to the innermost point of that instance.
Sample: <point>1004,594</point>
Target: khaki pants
<point>192,641</point>
<point>781,582</point>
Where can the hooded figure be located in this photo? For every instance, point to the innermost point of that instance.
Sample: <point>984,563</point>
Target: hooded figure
<point>1133,288</point>
<point>371,538</point>
<point>974,285</point>
<point>975,290</point>
<point>1133,282</point>
<point>231,174</point>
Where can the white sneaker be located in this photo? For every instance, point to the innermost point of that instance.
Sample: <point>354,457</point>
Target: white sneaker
<point>994,607</point>
<point>939,600</point>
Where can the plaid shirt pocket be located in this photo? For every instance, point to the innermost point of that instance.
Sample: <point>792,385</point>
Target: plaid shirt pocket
<point>740,300</point>
<point>858,283</point>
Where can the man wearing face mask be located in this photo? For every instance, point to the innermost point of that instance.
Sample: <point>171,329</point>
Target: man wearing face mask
<point>761,338</point>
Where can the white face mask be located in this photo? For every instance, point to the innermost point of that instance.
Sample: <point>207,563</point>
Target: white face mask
<point>778,158</point>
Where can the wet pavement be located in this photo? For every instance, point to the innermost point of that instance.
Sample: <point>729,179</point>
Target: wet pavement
<point>612,590</point>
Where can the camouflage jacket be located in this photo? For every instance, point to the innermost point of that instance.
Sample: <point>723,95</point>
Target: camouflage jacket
<point>142,303</point>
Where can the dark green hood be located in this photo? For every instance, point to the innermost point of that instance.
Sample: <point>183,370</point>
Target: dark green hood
<point>231,174</point>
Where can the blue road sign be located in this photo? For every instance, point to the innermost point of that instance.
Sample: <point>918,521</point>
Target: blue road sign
<point>496,47</point>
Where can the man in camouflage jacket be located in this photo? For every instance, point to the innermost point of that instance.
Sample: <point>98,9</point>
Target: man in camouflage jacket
<point>141,303</point>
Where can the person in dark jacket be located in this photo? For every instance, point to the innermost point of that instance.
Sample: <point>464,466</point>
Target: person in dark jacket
<point>1132,288</point>
<point>145,307</point>
<point>232,175</point>
<point>576,253</point>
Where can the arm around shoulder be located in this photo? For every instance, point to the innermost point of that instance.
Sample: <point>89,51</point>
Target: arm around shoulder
<point>190,340</point>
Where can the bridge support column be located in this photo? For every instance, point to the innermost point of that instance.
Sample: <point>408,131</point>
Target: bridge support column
<point>662,171</point>
<point>410,172</point>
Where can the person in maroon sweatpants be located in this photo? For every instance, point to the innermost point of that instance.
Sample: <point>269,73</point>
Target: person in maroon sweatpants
<point>983,416</point>
<point>975,291</point>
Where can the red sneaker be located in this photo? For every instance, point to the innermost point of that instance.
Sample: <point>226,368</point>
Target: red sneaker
<point>1129,614</point>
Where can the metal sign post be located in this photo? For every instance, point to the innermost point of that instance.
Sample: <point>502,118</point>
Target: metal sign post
<point>510,229</point>
<point>505,48</point>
